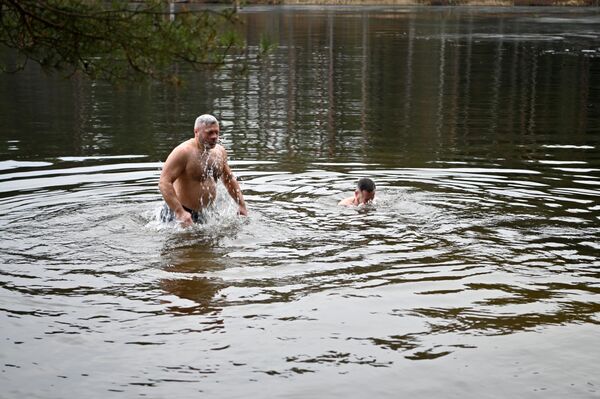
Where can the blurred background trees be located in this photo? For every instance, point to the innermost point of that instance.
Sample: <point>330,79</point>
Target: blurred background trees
<point>117,40</point>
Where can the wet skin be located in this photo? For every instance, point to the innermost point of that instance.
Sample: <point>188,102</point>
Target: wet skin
<point>361,197</point>
<point>190,173</point>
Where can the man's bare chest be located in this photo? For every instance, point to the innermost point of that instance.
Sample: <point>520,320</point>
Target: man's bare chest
<point>206,165</point>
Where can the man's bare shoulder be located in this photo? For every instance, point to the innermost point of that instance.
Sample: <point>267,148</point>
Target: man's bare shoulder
<point>180,155</point>
<point>221,149</point>
<point>184,149</point>
<point>221,152</point>
<point>188,145</point>
<point>347,201</point>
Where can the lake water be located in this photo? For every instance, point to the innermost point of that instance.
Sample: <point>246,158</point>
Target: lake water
<point>476,274</point>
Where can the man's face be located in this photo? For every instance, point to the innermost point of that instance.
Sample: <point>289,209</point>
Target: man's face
<point>364,196</point>
<point>209,135</point>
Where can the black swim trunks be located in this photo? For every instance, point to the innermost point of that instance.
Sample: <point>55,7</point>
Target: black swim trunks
<point>167,215</point>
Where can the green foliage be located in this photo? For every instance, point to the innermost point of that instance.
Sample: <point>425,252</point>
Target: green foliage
<point>118,40</point>
<point>266,45</point>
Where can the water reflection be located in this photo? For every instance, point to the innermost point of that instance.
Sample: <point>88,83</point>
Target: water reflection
<point>407,80</point>
<point>185,263</point>
<point>514,82</point>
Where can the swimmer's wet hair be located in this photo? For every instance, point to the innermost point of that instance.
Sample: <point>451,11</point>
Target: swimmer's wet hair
<point>205,120</point>
<point>366,184</point>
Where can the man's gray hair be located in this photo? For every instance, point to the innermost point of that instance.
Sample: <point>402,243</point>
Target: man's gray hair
<point>205,120</point>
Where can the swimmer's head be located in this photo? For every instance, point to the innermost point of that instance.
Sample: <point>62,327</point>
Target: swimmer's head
<point>365,191</point>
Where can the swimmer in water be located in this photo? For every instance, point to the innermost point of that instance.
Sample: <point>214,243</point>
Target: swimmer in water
<point>364,193</point>
<point>188,181</point>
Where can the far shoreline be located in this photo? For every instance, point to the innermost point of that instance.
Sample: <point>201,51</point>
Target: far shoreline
<point>461,3</point>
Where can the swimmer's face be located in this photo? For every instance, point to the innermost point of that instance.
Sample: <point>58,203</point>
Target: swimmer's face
<point>208,135</point>
<point>364,196</point>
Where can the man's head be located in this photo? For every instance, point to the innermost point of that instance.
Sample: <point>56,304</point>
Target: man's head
<point>206,130</point>
<point>365,191</point>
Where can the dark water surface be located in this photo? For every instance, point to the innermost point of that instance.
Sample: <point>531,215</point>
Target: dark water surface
<point>476,274</point>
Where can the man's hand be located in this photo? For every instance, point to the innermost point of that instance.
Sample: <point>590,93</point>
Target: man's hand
<point>184,218</point>
<point>243,211</point>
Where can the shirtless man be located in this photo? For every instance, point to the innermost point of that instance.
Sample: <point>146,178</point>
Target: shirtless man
<point>364,193</point>
<point>188,181</point>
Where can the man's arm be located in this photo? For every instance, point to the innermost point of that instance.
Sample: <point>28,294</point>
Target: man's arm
<point>173,168</point>
<point>233,187</point>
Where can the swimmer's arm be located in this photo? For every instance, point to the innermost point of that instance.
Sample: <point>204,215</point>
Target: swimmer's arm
<point>173,168</point>
<point>233,187</point>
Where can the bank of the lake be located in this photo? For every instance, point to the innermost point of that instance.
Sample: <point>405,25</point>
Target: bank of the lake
<point>484,3</point>
<point>474,3</point>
